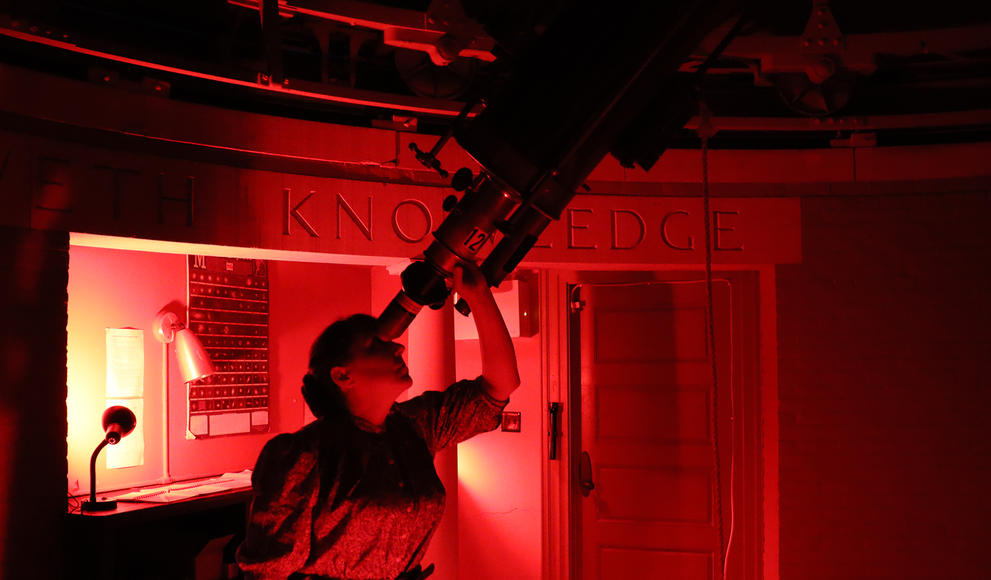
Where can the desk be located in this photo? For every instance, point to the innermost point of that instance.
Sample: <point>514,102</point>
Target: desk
<point>157,541</point>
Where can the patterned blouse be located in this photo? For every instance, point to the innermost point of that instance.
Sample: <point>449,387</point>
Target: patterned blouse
<point>335,501</point>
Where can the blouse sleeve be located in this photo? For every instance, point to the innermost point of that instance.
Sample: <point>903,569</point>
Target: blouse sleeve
<point>285,484</point>
<point>451,416</point>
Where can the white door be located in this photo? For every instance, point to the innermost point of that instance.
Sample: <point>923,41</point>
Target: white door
<point>647,434</point>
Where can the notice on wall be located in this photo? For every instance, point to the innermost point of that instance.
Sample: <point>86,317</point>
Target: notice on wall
<point>130,451</point>
<point>125,362</point>
<point>125,387</point>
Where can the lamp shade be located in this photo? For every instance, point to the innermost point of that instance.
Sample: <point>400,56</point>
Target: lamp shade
<point>118,422</point>
<point>194,362</point>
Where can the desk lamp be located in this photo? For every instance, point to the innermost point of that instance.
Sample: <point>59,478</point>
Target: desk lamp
<point>194,362</point>
<point>118,422</point>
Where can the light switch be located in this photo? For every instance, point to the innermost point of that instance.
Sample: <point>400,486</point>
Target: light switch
<point>511,421</point>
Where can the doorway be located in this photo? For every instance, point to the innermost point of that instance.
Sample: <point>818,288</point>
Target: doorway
<point>666,462</point>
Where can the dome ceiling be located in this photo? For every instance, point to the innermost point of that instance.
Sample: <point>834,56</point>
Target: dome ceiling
<point>793,74</point>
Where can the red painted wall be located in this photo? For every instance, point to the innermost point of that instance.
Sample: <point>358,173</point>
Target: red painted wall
<point>499,479</point>
<point>883,349</point>
<point>32,402</point>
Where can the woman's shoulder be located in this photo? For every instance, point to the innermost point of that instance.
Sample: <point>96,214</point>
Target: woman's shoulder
<point>308,439</point>
<point>301,450</point>
<point>285,448</point>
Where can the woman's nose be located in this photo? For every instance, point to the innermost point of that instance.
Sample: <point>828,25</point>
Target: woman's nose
<point>400,349</point>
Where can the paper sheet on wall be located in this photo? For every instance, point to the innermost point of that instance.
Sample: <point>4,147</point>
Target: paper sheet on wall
<point>125,362</point>
<point>130,452</point>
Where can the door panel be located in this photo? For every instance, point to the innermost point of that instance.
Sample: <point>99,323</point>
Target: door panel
<point>647,413</point>
<point>620,331</point>
<point>656,564</point>
<point>676,495</point>
<point>630,412</point>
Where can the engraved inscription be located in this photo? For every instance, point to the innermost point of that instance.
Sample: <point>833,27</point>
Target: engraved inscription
<point>365,228</point>
<point>733,245</point>
<point>53,190</point>
<point>573,227</point>
<point>634,229</point>
<point>400,232</point>
<point>641,226</point>
<point>687,245</point>
<point>186,201</point>
<point>292,211</point>
<point>116,188</point>
<point>93,190</point>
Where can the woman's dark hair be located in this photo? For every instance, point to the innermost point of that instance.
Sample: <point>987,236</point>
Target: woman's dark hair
<point>332,348</point>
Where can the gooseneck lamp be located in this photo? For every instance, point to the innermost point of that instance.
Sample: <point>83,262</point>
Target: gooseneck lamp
<point>118,422</point>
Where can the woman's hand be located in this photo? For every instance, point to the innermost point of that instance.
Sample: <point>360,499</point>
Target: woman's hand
<point>469,282</point>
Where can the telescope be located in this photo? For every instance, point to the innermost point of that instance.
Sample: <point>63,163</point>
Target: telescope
<point>599,80</point>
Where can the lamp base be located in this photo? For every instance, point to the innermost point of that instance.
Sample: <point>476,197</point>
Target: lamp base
<point>99,506</point>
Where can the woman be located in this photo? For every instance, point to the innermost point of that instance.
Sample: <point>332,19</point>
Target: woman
<point>355,494</point>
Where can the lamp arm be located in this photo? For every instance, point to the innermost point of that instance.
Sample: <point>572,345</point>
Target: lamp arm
<point>92,470</point>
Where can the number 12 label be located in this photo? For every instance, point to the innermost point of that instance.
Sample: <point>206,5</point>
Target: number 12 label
<point>475,239</point>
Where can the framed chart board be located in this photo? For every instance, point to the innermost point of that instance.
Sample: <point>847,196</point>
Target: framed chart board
<point>228,311</point>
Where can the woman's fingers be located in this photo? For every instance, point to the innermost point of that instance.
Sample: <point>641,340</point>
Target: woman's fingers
<point>467,278</point>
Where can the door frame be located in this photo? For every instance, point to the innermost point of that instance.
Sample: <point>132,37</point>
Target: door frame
<point>561,497</point>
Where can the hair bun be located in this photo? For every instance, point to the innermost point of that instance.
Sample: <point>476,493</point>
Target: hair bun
<point>314,395</point>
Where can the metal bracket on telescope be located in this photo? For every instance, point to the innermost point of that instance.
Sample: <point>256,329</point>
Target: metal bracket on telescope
<point>429,158</point>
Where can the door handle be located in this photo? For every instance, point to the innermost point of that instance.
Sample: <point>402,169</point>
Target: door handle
<point>585,482</point>
<point>554,419</point>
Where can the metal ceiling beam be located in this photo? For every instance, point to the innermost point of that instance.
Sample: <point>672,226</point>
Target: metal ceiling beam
<point>444,36</point>
<point>948,120</point>
<point>338,95</point>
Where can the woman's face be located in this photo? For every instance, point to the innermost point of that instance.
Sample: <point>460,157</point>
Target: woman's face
<point>378,363</point>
